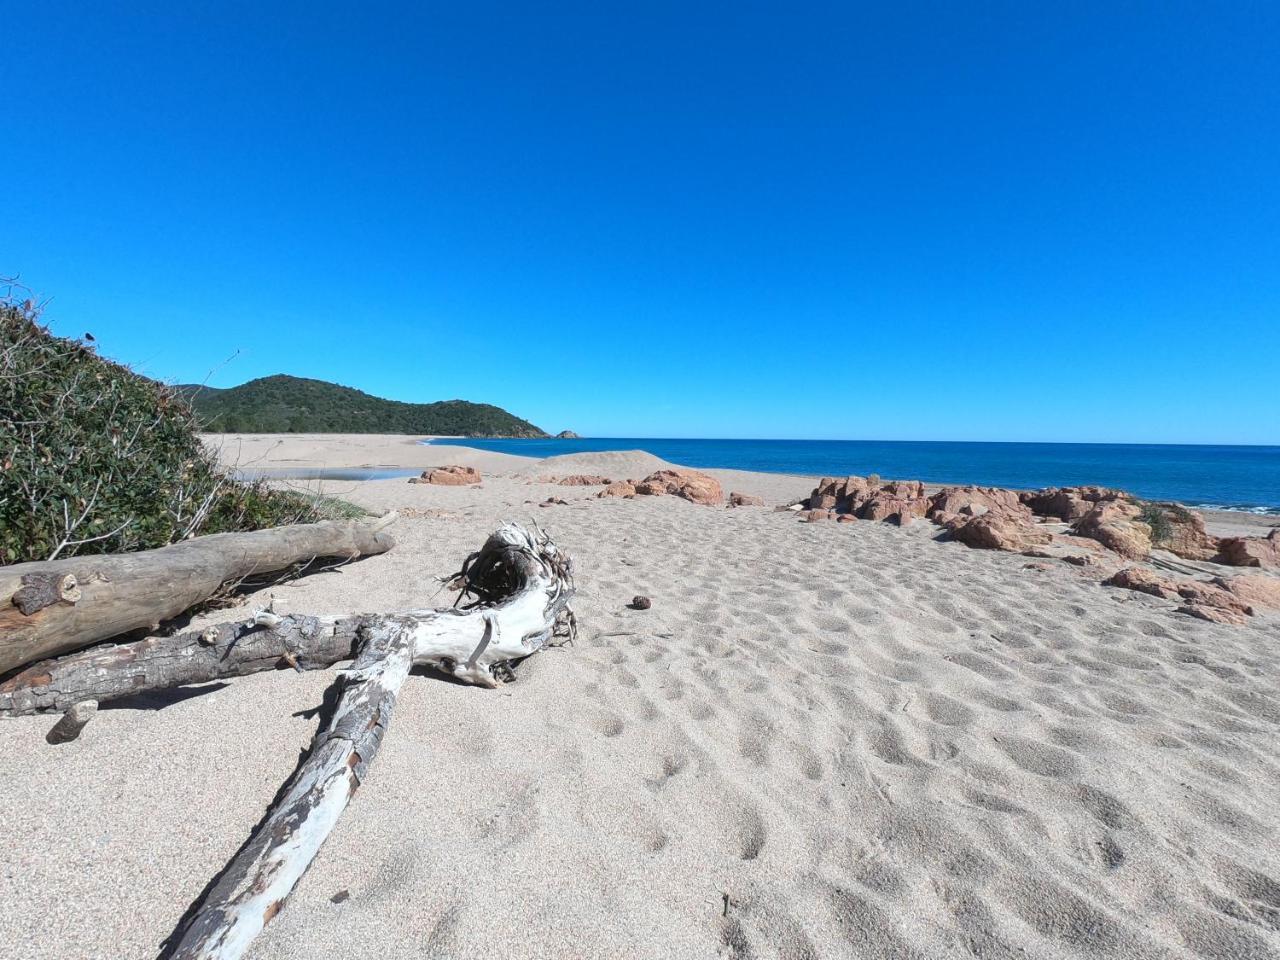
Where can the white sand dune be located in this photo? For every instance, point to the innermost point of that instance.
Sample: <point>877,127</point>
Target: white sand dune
<point>822,741</point>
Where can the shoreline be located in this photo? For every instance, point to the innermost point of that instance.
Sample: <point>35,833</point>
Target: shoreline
<point>1262,510</point>
<point>267,452</point>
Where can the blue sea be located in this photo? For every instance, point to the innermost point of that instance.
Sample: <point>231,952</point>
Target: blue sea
<point>1230,477</point>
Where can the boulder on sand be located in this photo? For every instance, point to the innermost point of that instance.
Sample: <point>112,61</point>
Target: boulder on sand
<point>1255,588</point>
<point>869,499</point>
<point>619,488</point>
<point>1250,551</point>
<point>745,500</point>
<point>689,484</point>
<point>1116,525</point>
<point>976,501</point>
<point>1068,503</point>
<point>450,476</point>
<point>584,480</point>
<point>993,531</point>
<point>1207,601</point>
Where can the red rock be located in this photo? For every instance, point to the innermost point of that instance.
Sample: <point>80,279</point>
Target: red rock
<point>976,501</point>
<point>846,518</point>
<point>1212,614</point>
<point>745,500</point>
<point>583,480</point>
<point>813,516</point>
<point>903,489</point>
<point>619,488</point>
<point>1144,581</point>
<point>992,531</point>
<point>886,507</point>
<point>1200,595</point>
<point>1254,588</point>
<point>1081,560</point>
<point>1115,524</point>
<point>450,476</point>
<point>824,501</point>
<point>1068,503</point>
<point>1250,551</point>
<point>689,484</point>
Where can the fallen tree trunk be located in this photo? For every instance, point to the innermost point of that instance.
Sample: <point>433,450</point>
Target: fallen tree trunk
<point>254,885</point>
<point>51,607</point>
<point>112,671</point>
<point>522,583</point>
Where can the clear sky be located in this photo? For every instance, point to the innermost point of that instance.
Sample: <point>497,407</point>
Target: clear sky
<point>992,221</point>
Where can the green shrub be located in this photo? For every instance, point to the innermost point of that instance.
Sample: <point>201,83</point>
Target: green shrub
<point>1164,519</point>
<point>95,458</point>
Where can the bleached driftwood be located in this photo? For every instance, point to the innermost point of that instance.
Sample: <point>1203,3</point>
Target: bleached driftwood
<point>50,607</point>
<point>522,585</point>
<point>254,886</point>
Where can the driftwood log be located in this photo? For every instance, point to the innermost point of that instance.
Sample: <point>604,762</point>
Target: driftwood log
<point>253,887</point>
<point>518,586</point>
<point>54,606</point>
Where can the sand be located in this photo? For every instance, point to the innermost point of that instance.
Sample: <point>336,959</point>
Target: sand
<point>823,740</point>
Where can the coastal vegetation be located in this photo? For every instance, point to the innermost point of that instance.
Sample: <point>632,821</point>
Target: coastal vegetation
<point>95,458</point>
<point>286,404</point>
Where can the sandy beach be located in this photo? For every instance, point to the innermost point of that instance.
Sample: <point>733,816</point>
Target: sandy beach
<point>823,741</point>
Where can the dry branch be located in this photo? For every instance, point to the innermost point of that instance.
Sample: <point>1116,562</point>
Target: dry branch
<point>54,606</point>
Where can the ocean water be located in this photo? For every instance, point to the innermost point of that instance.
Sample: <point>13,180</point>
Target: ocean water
<point>1231,477</point>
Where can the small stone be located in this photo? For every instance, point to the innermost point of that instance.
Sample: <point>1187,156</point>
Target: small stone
<point>340,897</point>
<point>641,603</point>
<point>72,722</point>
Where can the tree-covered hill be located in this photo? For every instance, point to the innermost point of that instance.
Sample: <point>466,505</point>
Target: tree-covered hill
<point>284,404</point>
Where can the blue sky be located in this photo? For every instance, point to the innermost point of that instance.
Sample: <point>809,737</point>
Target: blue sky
<point>895,221</point>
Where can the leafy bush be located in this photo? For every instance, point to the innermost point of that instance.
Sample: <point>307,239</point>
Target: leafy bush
<point>95,458</point>
<point>1164,519</point>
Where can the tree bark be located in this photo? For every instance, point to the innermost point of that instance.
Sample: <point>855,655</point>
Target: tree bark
<point>47,608</point>
<point>253,887</point>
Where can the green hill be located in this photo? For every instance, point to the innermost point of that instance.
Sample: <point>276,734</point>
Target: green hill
<point>284,404</point>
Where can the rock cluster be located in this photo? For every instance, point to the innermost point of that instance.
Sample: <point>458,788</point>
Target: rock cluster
<point>1208,601</point>
<point>993,518</point>
<point>866,498</point>
<point>450,476</point>
<point>583,480</point>
<point>688,484</point>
